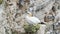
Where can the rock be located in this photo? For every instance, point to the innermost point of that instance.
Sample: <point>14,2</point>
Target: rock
<point>12,17</point>
<point>42,29</point>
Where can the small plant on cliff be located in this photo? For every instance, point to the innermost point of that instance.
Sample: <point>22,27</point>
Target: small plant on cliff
<point>1,1</point>
<point>31,29</point>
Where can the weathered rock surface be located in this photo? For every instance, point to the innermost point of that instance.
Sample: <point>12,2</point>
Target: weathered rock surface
<point>12,13</point>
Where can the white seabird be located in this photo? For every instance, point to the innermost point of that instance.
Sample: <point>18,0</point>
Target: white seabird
<point>31,19</point>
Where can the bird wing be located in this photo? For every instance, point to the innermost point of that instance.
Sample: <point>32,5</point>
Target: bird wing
<point>32,20</point>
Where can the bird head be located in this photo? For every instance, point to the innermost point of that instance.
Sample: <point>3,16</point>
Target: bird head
<point>30,14</point>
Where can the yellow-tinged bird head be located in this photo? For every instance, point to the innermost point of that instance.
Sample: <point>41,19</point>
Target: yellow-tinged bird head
<point>30,14</point>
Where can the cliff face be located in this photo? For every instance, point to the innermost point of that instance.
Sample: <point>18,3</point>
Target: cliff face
<point>12,13</point>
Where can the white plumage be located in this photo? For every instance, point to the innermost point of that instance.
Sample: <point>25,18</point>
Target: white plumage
<point>31,19</point>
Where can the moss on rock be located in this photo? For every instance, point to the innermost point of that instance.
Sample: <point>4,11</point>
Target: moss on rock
<point>1,1</point>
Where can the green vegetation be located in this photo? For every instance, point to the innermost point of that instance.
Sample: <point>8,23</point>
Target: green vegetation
<point>31,29</point>
<point>1,1</point>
